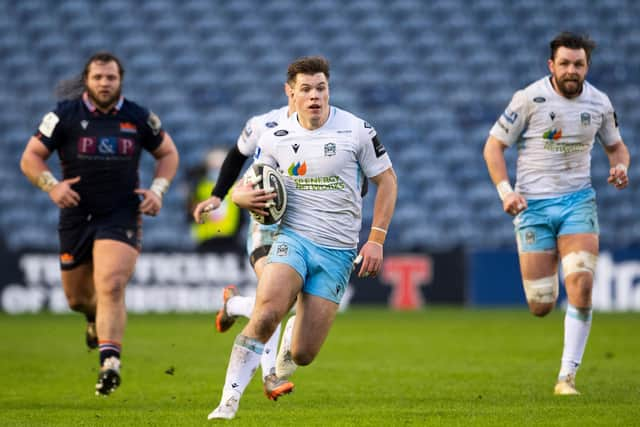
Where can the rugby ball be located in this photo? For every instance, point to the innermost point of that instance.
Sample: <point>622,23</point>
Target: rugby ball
<point>264,177</point>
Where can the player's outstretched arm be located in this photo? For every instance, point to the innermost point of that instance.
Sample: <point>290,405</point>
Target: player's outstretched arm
<point>512,202</point>
<point>203,208</point>
<point>383,208</point>
<point>619,159</point>
<point>33,165</point>
<point>229,172</point>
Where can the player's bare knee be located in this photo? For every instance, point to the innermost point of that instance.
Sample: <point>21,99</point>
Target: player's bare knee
<point>302,358</point>
<point>540,310</point>
<point>112,286</point>
<point>541,294</point>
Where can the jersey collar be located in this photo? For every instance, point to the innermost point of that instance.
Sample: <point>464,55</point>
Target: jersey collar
<point>92,108</point>
<point>294,118</point>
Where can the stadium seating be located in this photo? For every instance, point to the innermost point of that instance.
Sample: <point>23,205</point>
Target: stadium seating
<point>432,77</point>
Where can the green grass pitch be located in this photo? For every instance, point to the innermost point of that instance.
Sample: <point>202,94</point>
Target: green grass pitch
<point>438,366</point>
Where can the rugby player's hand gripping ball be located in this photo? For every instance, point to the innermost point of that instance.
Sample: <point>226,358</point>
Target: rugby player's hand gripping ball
<point>264,177</point>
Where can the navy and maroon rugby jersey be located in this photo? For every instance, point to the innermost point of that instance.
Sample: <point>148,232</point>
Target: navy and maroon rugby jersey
<point>102,148</point>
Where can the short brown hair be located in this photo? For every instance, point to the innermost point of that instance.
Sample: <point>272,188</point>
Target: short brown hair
<point>307,65</point>
<point>102,56</point>
<point>572,41</point>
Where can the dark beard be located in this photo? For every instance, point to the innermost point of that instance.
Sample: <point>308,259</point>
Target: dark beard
<point>106,104</point>
<point>569,93</point>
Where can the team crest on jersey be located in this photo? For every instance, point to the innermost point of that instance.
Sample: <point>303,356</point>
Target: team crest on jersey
<point>329,149</point>
<point>585,119</point>
<point>128,127</point>
<point>84,124</point>
<point>282,249</point>
<point>271,124</point>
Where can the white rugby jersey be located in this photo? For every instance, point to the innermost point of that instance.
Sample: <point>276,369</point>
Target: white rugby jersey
<point>256,126</point>
<point>323,172</point>
<point>555,136</point>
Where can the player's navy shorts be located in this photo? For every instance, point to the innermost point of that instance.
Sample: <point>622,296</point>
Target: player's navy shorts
<point>259,240</point>
<point>77,234</point>
<point>538,226</point>
<point>325,271</point>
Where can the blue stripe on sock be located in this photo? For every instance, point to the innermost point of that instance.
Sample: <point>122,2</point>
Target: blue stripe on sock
<point>250,344</point>
<point>582,314</point>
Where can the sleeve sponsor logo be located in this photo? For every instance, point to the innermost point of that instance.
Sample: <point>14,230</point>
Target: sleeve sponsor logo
<point>281,132</point>
<point>271,124</point>
<point>539,99</point>
<point>247,131</point>
<point>48,124</point>
<point>378,147</point>
<point>154,123</point>
<point>510,116</point>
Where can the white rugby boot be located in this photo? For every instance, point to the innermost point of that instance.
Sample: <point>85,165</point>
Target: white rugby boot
<point>566,386</point>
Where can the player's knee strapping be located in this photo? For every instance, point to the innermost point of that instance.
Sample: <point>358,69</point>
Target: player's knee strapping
<point>581,261</point>
<point>543,291</point>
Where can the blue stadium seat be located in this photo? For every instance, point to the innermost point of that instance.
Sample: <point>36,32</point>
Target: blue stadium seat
<point>423,73</point>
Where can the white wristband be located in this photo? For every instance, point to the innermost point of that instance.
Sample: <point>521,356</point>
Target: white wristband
<point>159,186</point>
<point>621,167</point>
<point>504,189</point>
<point>46,181</point>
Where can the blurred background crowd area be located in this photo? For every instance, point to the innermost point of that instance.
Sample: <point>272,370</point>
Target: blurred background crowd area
<point>431,76</point>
